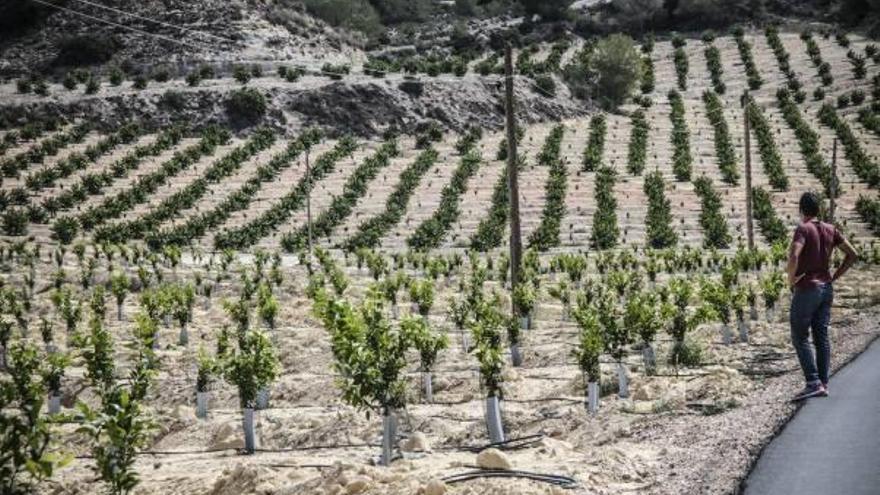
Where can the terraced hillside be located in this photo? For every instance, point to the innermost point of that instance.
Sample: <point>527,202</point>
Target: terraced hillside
<point>157,290</point>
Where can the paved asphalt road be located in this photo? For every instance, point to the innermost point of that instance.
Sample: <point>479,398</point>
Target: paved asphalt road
<point>831,446</point>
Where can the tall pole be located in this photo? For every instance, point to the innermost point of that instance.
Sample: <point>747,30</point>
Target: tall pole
<point>833,191</point>
<point>309,201</point>
<point>512,175</point>
<point>750,232</point>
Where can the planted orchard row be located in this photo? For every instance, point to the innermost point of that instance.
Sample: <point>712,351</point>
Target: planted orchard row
<point>638,143</point>
<point>592,159</point>
<point>869,209</point>
<point>198,225</point>
<point>808,141</point>
<point>547,233</point>
<point>767,148</point>
<point>716,70</point>
<point>724,151</point>
<point>47,176</point>
<point>865,168</point>
<point>783,59</point>
<point>146,185</point>
<point>745,53</point>
<point>94,183</point>
<point>430,233</point>
<point>14,165</point>
<point>370,232</point>
<point>682,160</point>
<point>188,196</point>
<point>680,60</point>
<point>771,225</point>
<point>659,231</point>
<point>490,231</point>
<point>341,207</point>
<point>29,132</point>
<point>815,53</point>
<point>254,230</point>
<point>605,231</point>
<point>712,220</point>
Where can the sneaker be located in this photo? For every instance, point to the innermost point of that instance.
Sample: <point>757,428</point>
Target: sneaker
<point>811,390</point>
<point>824,392</point>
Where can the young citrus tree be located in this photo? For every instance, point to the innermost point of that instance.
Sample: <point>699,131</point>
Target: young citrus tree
<point>486,329</point>
<point>588,352</point>
<point>429,345</point>
<point>370,355</point>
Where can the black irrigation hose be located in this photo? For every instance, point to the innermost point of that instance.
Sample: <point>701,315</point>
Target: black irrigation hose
<point>553,479</point>
<point>509,444</point>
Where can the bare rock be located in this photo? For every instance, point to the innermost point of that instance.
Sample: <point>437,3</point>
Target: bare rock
<point>435,487</point>
<point>357,485</point>
<point>417,442</point>
<point>493,459</point>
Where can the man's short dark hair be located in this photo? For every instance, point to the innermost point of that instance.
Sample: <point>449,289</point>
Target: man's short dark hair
<point>809,204</point>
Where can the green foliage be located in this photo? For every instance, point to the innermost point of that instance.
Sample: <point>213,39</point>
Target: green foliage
<point>427,343</point>
<point>682,160</point>
<point>605,233</point>
<point>486,327</point>
<point>547,233</point>
<point>595,143</point>
<point>745,52</point>
<point>712,220</point>
<point>251,367</point>
<point>771,288</point>
<point>680,59</point>
<point>430,233</point>
<point>866,168</point>
<point>590,341</point>
<point>246,105</point>
<point>370,232</point>
<point>638,143</point>
<point>724,151</point>
<point>658,222</point>
<point>343,205</point>
<point>26,448</point>
<point>770,224</point>
<point>370,354</point>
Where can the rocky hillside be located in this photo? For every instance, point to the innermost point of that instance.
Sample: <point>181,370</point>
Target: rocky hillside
<point>53,39</point>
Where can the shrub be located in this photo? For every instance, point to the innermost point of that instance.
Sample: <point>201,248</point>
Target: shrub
<point>616,63</point>
<point>843,100</point>
<point>140,82</point>
<point>93,85</point>
<point>86,49</point>
<point>116,76</point>
<point>545,84</point>
<point>246,105</point>
<point>23,85</point>
<point>549,10</point>
<point>193,78</point>
<point>241,74</point>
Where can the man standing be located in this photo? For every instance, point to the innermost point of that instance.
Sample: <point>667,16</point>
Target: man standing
<point>810,278</point>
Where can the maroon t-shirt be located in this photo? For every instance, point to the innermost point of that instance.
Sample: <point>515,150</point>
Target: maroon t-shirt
<point>819,240</point>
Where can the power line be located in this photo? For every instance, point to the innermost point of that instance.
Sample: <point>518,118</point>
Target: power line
<point>87,2</point>
<point>136,30</point>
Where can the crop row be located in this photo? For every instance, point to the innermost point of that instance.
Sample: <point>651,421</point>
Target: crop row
<point>189,195</point>
<point>146,185</point>
<point>198,225</point>
<point>869,209</point>
<point>371,231</point>
<point>547,233</point>
<point>29,132</point>
<point>724,150</point>
<point>47,176</point>
<point>638,143</point>
<point>605,231</point>
<point>592,159</point>
<point>716,70</point>
<point>815,54</point>
<point>745,53</point>
<point>808,140</point>
<point>247,235</point>
<point>783,59</point>
<point>865,168</point>
<point>341,207</point>
<point>770,224</point>
<point>767,148</point>
<point>490,231</point>
<point>14,165</point>
<point>715,231</point>
<point>431,232</point>
<point>658,223</point>
<point>682,160</point>
<point>94,183</point>
<point>680,59</point>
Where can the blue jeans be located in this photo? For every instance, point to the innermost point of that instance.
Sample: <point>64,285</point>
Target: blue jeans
<point>811,308</point>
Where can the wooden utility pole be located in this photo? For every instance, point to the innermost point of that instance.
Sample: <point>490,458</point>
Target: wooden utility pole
<point>512,175</point>
<point>309,201</point>
<point>833,191</point>
<point>750,232</point>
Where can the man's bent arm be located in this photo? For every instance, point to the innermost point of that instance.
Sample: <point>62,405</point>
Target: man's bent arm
<point>848,261</point>
<point>794,252</point>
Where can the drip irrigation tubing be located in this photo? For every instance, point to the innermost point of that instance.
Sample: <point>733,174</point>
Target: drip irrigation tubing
<point>553,479</point>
